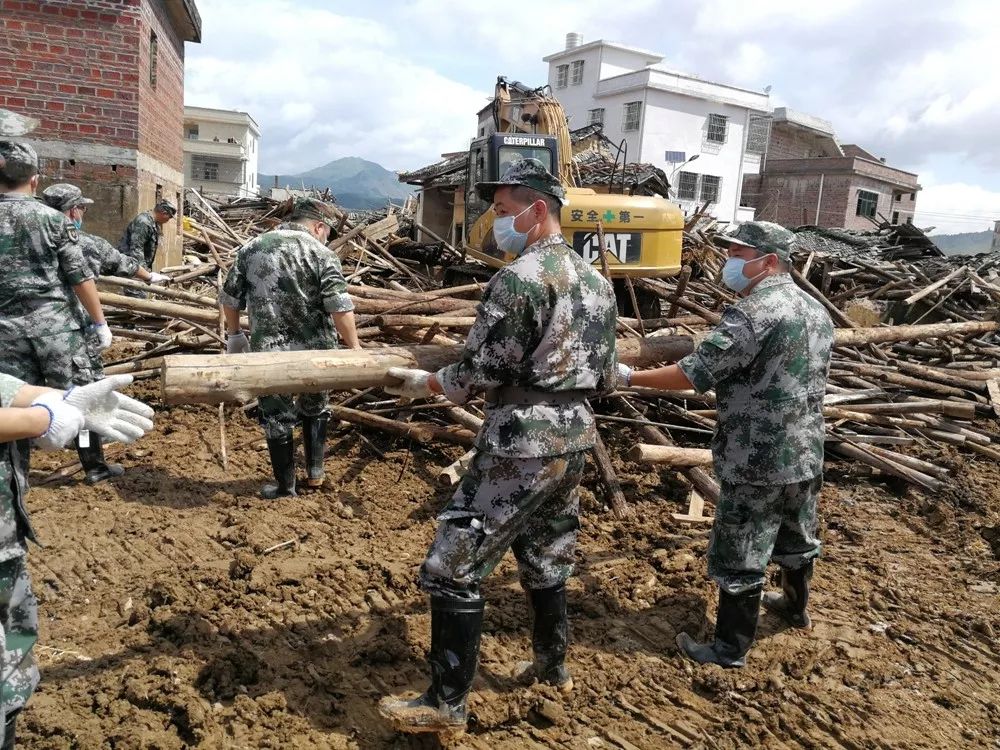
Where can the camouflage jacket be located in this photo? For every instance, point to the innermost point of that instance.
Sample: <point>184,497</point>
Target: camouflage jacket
<point>104,259</point>
<point>768,361</point>
<point>14,526</point>
<point>41,260</point>
<point>141,239</point>
<point>546,324</point>
<point>288,282</point>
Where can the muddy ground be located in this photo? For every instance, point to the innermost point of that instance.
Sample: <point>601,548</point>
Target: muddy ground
<point>168,619</point>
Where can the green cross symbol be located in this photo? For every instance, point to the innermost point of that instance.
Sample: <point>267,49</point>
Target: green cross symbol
<point>609,215</point>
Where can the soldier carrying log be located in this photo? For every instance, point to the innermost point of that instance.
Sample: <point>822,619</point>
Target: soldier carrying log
<point>768,361</point>
<point>543,341</point>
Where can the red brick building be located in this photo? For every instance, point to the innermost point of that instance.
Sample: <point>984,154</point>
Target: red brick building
<point>106,79</point>
<point>810,178</point>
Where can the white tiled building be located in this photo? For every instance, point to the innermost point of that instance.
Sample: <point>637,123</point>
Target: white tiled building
<point>704,135</point>
<point>221,151</point>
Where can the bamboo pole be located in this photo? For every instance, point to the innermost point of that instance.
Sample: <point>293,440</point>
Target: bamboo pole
<point>665,455</point>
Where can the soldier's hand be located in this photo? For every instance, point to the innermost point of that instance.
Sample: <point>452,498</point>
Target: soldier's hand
<point>112,415</point>
<point>158,278</point>
<point>65,421</point>
<point>624,375</point>
<point>237,343</point>
<point>413,383</point>
<point>104,336</point>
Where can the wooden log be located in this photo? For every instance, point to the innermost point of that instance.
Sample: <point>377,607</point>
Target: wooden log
<point>210,379</point>
<point>163,309</point>
<point>606,469</point>
<point>453,473</point>
<point>422,433</point>
<point>424,321</point>
<point>664,455</point>
<point>160,291</point>
<point>886,334</point>
<point>415,307</point>
<point>887,465</point>
<point>962,410</point>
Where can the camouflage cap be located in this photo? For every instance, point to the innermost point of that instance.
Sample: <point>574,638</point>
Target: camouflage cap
<point>13,124</point>
<point>63,197</point>
<point>764,236</point>
<point>18,161</point>
<point>530,173</point>
<point>311,208</point>
<point>165,206</point>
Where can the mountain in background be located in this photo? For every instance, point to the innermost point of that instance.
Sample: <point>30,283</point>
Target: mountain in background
<point>966,243</point>
<point>356,183</point>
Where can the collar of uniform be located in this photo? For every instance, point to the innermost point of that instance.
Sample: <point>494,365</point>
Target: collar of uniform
<point>776,280</point>
<point>547,241</point>
<point>292,226</point>
<point>16,197</point>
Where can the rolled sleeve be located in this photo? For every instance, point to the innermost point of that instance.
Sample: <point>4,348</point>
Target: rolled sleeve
<point>494,351</point>
<point>9,386</point>
<point>333,286</point>
<point>234,289</point>
<point>726,350</point>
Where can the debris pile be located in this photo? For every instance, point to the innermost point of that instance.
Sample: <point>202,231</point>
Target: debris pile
<point>896,391</point>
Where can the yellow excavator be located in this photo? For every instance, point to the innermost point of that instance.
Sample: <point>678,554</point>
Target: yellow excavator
<point>642,234</point>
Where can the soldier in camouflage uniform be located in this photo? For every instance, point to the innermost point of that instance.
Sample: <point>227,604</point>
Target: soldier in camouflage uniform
<point>42,330</point>
<point>141,238</point>
<point>543,341</point>
<point>53,418</point>
<point>768,361</point>
<point>293,288</point>
<point>102,259</point>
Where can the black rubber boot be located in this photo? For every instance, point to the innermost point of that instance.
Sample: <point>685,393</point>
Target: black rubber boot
<point>92,460</point>
<point>314,443</point>
<point>735,628</point>
<point>456,625</point>
<point>791,604</point>
<point>550,637</point>
<point>282,450</point>
<point>8,730</point>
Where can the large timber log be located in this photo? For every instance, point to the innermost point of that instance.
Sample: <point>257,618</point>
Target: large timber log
<point>212,379</point>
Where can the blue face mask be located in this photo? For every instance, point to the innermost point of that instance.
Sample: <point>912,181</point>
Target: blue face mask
<point>78,223</point>
<point>509,239</point>
<point>732,274</point>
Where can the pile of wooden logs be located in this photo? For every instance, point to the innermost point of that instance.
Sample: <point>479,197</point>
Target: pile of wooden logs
<point>895,390</point>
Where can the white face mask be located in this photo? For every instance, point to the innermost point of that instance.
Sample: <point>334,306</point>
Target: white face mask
<point>509,239</point>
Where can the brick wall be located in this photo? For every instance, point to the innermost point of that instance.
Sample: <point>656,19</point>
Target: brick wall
<point>796,143</point>
<point>73,65</point>
<point>161,109</point>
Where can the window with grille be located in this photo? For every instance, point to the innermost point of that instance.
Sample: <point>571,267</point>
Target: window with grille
<point>631,116</point>
<point>867,203</point>
<point>192,132</point>
<point>204,170</point>
<point>562,75</point>
<point>710,188</point>
<point>758,133</point>
<point>597,116</point>
<point>153,53</point>
<point>687,186</point>
<point>577,78</point>
<point>895,217</point>
<point>717,128</point>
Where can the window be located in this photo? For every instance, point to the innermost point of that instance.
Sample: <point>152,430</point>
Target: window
<point>895,217</point>
<point>577,78</point>
<point>716,128</point>
<point>631,116</point>
<point>710,188</point>
<point>204,170</point>
<point>913,196</point>
<point>597,116</point>
<point>687,186</point>
<point>153,51</point>
<point>758,133</point>
<point>562,75</point>
<point>898,197</point>
<point>674,157</point>
<point>192,132</point>
<point>867,203</point>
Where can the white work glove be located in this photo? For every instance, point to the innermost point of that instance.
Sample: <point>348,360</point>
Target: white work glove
<point>624,375</point>
<point>414,383</point>
<point>111,415</point>
<point>158,278</point>
<point>65,421</point>
<point>237,343</point>
<point>104,336</point>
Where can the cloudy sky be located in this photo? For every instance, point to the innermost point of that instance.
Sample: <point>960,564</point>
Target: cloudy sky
<point>399,82</point>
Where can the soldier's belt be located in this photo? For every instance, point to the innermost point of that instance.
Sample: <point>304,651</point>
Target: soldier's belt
<point>511,396</point>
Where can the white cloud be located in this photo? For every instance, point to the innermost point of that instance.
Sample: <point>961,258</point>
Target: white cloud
<point>957,207</point>
<point>323,86</point>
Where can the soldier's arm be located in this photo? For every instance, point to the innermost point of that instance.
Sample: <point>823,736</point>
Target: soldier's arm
<point>497,346</point>
<point>114,263</point>
<point>74,268</point>
<point>336,300</point>
<point>233,296</point>
<point>18,419</point>
<point>729,348</point>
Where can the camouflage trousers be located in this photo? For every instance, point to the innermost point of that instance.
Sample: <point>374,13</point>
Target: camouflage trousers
<point>530,504</point>
<point>279,414</point>
<point>755,524</point>
<point>58,360</point>
<point>18,634</point>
